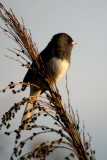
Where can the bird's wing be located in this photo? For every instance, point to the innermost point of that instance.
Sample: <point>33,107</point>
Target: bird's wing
<point>27,78</point>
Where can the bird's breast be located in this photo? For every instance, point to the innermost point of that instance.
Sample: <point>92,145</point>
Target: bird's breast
<point>56,68</point>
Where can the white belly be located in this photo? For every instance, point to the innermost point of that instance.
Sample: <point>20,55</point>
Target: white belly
<point>56,69</point>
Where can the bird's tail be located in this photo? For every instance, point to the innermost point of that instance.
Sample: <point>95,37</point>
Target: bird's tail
<point>29,112</point>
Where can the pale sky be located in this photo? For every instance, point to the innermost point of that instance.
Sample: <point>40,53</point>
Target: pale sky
<point>86,22</point>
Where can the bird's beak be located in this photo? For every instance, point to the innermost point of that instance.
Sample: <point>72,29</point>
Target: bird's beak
<point>73,43</point>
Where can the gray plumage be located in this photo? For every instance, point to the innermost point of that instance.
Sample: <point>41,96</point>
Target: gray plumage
<point>55,59</point>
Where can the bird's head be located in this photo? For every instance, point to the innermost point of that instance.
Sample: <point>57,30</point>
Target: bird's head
<point>64,41</point>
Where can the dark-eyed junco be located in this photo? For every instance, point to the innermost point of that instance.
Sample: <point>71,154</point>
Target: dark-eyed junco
<point>55,59</point>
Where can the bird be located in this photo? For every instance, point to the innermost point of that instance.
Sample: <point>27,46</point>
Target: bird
<point>54,60</point>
